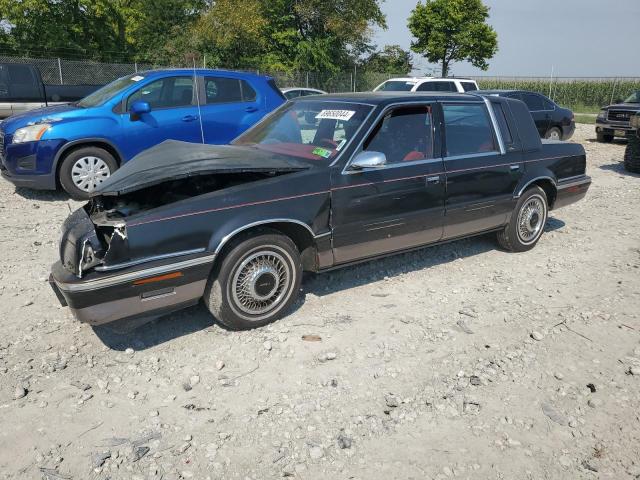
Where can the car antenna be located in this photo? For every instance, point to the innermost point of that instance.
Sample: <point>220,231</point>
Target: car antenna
<point>195,82</point>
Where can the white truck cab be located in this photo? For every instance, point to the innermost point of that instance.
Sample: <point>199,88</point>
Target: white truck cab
<point>427,84</point>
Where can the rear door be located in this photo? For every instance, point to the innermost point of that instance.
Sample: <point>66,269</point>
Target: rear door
<point>482,169</point>
<point>229,106</point>
<point>400,205</point>
<point>173,116</point>
<point>541,115</point>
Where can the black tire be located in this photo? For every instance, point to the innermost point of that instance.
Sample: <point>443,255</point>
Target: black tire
<point>602,138</point>
<point>554,132</point>
<point>513,237</point>
<point>225,299</point>
<point>86,155</point>
<point>632,156</point>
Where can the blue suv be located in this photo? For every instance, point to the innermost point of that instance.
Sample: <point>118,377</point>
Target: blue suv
<point>77,146</point>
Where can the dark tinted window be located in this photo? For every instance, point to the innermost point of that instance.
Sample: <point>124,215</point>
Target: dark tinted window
<point>248,93</point>
<point>468,130</point>
<point>533,102</point>
<point>404,135</point>
<point>168,92</point>
<point>469,86</point>
<point>292,94</point>
<point>222,90</point>
<point>397,86</point>
<point>501,118</point>
<point>437,86</point>
<point>548,104</point>
<point>19,84</point>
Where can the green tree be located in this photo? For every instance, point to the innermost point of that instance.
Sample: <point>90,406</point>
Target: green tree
<point>449,31</point>
<point>391,59</point>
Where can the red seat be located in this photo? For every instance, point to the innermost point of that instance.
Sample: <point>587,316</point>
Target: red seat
<point>413,156</point>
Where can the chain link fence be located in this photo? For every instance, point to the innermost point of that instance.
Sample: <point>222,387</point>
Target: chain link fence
<point>581,93</point>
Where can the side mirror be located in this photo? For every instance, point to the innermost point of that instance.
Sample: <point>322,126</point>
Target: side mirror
<point>368,160</point>
<point>138,108</point>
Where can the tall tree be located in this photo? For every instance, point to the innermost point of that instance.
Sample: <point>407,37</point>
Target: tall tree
<point>391,59</point>
<point>449,31</point>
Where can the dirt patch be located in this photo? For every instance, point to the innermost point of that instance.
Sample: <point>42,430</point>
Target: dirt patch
<point>459,361</point>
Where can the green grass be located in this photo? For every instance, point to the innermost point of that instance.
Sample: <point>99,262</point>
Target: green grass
<point>588,119</point>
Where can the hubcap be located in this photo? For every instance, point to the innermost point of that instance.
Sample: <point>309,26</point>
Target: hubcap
<point>531,219</point>
<point>554,135</point>
<point>260,282</point>
<point>89,172</point>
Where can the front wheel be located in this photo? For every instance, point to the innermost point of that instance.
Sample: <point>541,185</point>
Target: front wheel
<point>527,222</point>
<point>257,281</point>
<point>83,170</point>
<point>604,138</point>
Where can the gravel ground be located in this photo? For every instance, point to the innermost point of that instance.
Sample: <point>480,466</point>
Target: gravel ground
<point>459,361</point>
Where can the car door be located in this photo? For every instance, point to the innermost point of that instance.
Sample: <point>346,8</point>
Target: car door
<point>173,115</point>
<point>398,206</point>
<point>229,106</point>
<point>482,169</point>
<point>541,116</point>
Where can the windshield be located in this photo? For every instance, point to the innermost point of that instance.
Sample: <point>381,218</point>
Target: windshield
<point>633,98</point>
<point>107,92</point>
<point>307,129</point>
<point>396,86</point>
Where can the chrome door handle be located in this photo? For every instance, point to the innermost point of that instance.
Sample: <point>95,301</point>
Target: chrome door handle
<point>189,118</point>
<point>433,180</point>
<point>515,167</point>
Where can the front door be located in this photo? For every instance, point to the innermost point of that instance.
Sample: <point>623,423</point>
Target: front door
<point>397,206</point>
<point>480,178</point>
<point>174,115</point>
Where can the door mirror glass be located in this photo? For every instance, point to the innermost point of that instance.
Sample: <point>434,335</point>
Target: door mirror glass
<point>368,160</point>
<point>139,108</point>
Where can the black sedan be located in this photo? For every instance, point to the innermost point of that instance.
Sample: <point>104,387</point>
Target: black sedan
<point>323,182</point>
<point>552,121</point>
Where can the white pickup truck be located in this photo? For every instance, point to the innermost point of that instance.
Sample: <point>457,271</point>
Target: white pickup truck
<point>427,84</point>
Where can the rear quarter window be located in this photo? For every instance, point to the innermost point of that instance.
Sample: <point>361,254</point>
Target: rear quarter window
<point>469,86</point>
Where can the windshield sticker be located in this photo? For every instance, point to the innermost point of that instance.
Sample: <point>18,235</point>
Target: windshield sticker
<point>336,115</point>
<point>137,78</point>
<point>342,143</point>
<point>322,152</point>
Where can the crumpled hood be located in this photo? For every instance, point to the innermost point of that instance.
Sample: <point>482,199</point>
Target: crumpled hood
<point>54,114</point>
<point>172,160</point>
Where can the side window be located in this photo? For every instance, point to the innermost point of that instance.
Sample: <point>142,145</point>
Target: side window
<point>469,86</point>
<point>168,92</point>
<point>404,135</point>
<point>437,86</point>
<point>548,104</point>
<point>534,102</point>
<point>248,93</point>
<point>222,90</point>
<point>468,129</point>
<point>501,118</point>
<point>292,94</point>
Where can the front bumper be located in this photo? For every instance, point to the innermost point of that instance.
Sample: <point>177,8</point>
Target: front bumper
<point>608,128</point>
<point>571,190</point>
<point>30,164</point>
<point>143,291</point>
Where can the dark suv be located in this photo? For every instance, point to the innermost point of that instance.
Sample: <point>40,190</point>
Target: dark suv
<point>632,153</point>
<point>613,120</point>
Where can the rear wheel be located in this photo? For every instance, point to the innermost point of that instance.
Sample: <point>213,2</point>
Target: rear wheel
<point>256,282</point>
<point>83,170</point>
<point>601,137</point>
<point>527,222</point>
<point>554,133</point>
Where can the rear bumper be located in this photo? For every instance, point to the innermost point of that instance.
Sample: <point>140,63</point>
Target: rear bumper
<point>571,191</point>
<point>145,291</point>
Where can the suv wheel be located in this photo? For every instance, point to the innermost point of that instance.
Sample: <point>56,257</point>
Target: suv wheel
<point>632,156</point>
<point>527,222</point>
<point>554,133</point>
<point>257,281</point>
<point>601,137</point>
<point>83,170</point>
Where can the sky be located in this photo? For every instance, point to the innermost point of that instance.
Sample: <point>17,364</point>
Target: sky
<point>574,38</point>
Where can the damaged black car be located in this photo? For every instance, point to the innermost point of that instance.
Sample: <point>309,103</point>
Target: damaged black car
<point>322,182</point>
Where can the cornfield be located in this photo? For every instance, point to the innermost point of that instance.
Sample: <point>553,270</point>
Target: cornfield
<point>578,94</point>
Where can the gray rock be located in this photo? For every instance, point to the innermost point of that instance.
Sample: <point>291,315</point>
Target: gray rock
<point>550,411</point>
<point>344,441</point>
<point>267,346</point>
<point>316,452</point>
<point>219,364</point>
<point>594,402</point>
<point>537,336</point>
<point>98,459</point>
<point>19,392</point>
<point>391,400</point>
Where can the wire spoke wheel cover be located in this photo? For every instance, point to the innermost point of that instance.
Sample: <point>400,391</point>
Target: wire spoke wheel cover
<point>87,173</point>
<point>531,219</point>
<point>261,281</point>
